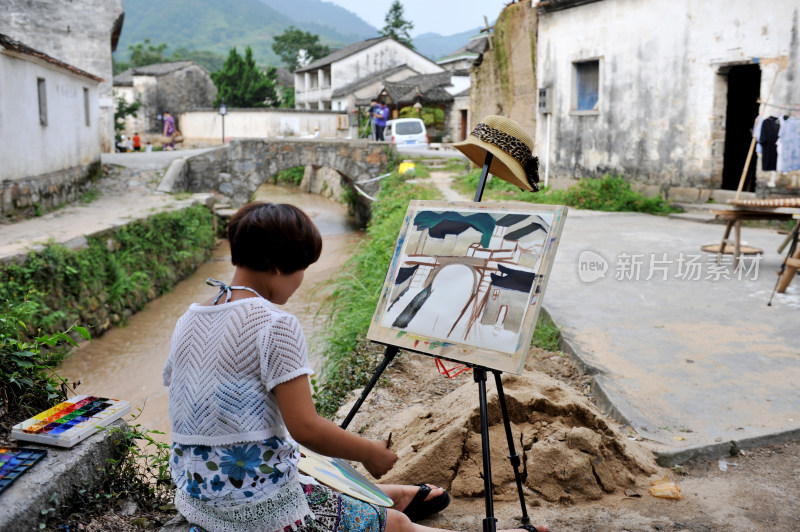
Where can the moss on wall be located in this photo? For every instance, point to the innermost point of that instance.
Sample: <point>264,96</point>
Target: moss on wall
<point>505,80</point>
<point>113,275</point>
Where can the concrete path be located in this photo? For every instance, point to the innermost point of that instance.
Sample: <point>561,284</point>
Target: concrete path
<point>127,193</point>
<point>685,351</point>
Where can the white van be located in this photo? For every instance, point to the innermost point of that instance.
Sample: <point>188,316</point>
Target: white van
<point>406,132</point>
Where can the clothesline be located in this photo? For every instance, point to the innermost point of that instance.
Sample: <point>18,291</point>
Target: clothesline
<point>795,107</point>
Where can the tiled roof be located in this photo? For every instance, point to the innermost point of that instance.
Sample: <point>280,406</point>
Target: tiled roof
<point>373,78</point>
<point>158,69</point>
<point>342,53</point>
<point>546,6</point>
<point>427,87</point>
<point>15,46</point>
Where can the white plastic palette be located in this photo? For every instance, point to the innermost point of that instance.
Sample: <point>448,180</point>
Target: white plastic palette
<point>72,421</point>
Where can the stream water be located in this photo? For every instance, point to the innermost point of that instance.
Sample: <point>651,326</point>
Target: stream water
<point>126,363</point>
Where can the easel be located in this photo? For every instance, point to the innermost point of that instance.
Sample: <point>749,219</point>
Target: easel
<point>479,374</point>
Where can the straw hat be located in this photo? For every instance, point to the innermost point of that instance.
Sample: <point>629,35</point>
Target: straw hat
<point>511,147</point>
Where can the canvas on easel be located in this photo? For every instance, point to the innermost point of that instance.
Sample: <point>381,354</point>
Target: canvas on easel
<point>467,279</point>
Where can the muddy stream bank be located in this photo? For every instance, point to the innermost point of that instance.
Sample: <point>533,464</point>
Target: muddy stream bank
<point>126,363</point>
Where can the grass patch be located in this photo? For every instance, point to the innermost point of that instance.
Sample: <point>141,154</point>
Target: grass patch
<point>356,289</point>
<point>609,193</point>
<point>547,334</point>
<point>90,195</point>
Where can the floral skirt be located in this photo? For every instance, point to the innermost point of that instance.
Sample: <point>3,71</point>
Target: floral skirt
<point>333,512</point>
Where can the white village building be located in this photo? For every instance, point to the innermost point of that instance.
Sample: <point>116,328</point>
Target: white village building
<point>50,130</point>
<point>316,84</point>
<point>664,91</point>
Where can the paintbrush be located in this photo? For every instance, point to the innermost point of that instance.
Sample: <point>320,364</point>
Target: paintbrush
<point>389,441</point>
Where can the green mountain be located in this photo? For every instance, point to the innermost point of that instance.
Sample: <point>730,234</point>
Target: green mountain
<point>215,26</point>
<point>206,28</point>
<point>318,14</point>
<point>435,46</point>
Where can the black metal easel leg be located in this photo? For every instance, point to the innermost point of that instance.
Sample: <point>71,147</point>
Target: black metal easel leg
<point>487,162</point>
<point>388,356</point>
<point>512,453</point>
<point>490,523</point>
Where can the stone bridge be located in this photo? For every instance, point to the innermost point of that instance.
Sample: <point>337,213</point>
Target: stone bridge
<point>239,168</point>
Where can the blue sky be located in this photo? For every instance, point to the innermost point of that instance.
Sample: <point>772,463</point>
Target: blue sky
<point>445,17</point>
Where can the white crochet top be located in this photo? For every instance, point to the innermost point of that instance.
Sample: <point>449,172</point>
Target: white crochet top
<point>223,363</point>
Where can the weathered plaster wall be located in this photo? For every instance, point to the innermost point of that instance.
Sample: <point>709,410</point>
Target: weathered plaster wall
<point>176,92</point>
<point>28,148</point>
<point>77,32</point>
<point>262,123</point>
<point>504,83</point>
<point>661,113</point>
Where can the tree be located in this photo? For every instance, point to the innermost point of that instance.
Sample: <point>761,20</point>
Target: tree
<point>287,97</point>
<point>141,56</point>
<point>122,111</point>
<point>397,27</point>
<point>243,84</point>
<point>289,45</point>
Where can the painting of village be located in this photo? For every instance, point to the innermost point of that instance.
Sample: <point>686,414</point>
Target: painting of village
<point>467,279</point>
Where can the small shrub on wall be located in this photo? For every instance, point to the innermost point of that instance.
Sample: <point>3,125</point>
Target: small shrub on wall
<point>94,286</point>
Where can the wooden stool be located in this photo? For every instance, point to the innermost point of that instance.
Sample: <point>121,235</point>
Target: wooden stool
<point>733,219</point>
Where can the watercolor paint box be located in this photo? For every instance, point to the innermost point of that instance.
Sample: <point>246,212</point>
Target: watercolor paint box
<point>14,462</point>
<point>72,421</point>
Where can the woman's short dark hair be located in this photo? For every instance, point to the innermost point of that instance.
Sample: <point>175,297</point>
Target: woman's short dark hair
<point>271,237</point>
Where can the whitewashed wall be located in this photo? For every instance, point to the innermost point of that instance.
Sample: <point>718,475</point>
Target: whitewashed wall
<point>262,123</point>
<point>78,32</point>
<point>29,149</point>
<point>662,96</point>
<point>382,56</point>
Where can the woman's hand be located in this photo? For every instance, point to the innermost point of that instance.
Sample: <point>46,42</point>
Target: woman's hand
<point>380,459</point>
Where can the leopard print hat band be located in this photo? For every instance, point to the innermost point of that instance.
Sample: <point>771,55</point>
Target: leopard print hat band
<point>511,146</point>
<point>514,147</point>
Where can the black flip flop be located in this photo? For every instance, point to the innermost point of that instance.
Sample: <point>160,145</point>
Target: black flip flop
<point>419,508</point>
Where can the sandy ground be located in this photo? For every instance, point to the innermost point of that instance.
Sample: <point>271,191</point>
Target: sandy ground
<point>583,471</point>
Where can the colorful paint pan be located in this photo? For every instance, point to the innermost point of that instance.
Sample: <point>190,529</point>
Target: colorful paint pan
<point>14,462</point>
<point>72,421</point>
<point>341,476</point>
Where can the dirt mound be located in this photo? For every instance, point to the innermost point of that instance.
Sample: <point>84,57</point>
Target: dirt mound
<point>569,452</point>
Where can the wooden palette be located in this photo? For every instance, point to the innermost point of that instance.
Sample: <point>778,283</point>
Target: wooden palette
<point>341,476</point>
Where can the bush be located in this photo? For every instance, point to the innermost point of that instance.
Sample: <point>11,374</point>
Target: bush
<point>96,284</point>
<point>602,194</point>
<point>292,176</point>
<point>356,289</point>
<point>28,384</point>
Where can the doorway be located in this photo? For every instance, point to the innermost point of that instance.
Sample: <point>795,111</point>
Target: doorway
<point>463,132</point>
<point>744,87</point>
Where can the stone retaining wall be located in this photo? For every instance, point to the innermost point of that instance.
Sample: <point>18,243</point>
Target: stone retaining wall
<point>32,196</point>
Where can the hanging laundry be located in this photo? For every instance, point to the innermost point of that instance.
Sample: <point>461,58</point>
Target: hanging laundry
<point>757,132</point>
<point>768,139</point>
<point>789,145</point>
